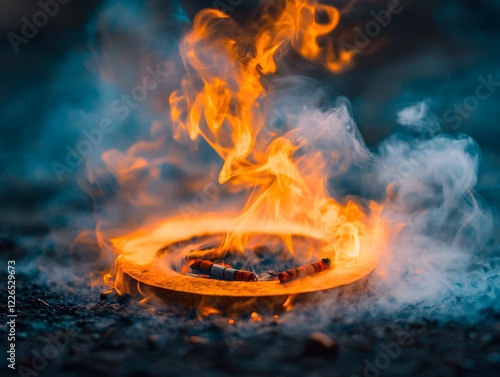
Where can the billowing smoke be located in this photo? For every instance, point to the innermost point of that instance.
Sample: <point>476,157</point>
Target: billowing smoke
<point>438,262</point>
<point>435,265</point>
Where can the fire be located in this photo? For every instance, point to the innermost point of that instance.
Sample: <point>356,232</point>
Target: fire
<point>224,100</point>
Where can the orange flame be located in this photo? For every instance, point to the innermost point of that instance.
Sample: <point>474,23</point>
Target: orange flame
<point>224,100</point>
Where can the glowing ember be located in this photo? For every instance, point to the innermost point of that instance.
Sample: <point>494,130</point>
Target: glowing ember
<point>224,100</point>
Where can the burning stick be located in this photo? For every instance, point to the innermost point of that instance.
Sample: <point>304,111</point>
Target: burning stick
<point>305,270</point>
<point>221,272</point>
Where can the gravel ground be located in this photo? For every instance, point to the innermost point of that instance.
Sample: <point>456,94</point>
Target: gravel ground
<point>79,333</point>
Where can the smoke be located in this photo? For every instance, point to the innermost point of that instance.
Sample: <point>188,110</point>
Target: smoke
<point>437,265</point>
<point>424,178</point>
<point>439,262</point>
<point>107,93</point>
<point>444,222</point>
<point>419,118</point>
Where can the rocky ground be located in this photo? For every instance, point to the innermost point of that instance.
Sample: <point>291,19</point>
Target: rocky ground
<point>79,333</point>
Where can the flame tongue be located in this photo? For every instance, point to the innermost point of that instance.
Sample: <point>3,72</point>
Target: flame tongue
<point>281,173</point>
<point>223,100</point>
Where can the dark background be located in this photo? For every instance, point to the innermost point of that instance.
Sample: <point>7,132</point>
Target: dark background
<point>433,51</point>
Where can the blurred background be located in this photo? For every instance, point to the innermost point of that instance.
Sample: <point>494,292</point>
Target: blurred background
<point>72,87</point>
<point>63,79</point>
